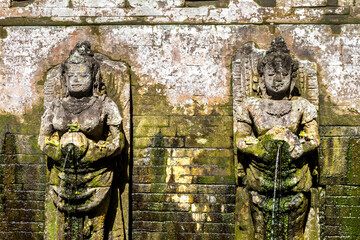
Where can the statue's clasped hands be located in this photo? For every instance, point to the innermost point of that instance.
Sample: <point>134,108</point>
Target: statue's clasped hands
<point>285,135</point>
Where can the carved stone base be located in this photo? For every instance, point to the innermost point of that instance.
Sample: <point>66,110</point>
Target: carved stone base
<point>104,223</point>
<point>245,228</point>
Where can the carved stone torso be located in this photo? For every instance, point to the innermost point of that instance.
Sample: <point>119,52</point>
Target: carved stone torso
<point>91,119</point>
<point>91,116</point>
<point>265,114</point>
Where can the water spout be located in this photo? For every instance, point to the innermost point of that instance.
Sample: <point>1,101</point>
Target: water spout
<point>275,188</point>
<point>61,182</point>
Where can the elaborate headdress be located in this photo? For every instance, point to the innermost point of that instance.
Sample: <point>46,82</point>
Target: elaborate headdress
<point>279,59</point>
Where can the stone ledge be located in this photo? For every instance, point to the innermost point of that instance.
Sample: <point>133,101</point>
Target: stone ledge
<point>238,12</point>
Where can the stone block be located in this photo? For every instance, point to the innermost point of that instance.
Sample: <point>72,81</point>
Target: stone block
<point>214,179</point>
<point>4,3</point>
<point>152,178</point>
<point>156,3</point>
<point>26,174</point>
<point>98,3</point>
<point>22,235</point>
<point>141,161</point>
<point>182,152</point>
<point>141,142</point>
<point>151,121</point>
<point>149,226</point>
<point>162,206</point>
<point>219,228</point>
<point>181,161</point>
<point>200,3</point>
<point>53,3</point>
<point>166,142</point>
<point>150,105</point>
<point>141,153</point>
<point>204,142</point>
<point>25,215</point>
<point>331,156</point>
<point>30,159</point>
<point>267,3</point>
<point>26,205</point>
<point>301,3</point>
<point>26,144</point>
<point>339,131</point>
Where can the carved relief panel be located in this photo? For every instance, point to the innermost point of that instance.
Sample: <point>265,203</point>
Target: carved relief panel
<point>276,135</point>
<point>85,132</point>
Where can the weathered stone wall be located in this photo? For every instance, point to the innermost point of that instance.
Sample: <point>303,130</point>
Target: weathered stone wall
<point>183,174</point>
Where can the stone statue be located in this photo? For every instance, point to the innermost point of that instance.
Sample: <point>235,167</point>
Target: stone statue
<point>276,134</point>
<point>81,133</point>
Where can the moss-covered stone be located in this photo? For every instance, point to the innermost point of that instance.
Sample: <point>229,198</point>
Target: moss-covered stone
<point>353,161</point>
<point>3,33</point>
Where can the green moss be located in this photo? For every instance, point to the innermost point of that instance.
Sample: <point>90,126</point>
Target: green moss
<point>216,3</point>
<point>3,33</point>
<point>339,19</point>
<point>266,3</point>
<point>21,3</point>
<point>70,4</point>
<point>332,3</point>
<point>353,161</point>
<point>336,29</point>
<point>158,157</point>
<point>329,114</point>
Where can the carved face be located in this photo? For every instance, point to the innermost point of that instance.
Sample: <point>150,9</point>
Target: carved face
<point>79,80</point>
<point>277,81</point>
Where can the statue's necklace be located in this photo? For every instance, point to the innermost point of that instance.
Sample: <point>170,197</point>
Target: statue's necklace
<point>78,105</point>
<point>278,108</point>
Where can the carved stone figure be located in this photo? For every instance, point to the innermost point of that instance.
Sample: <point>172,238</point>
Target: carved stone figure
<point>81,133</point>
<point>276,134</point>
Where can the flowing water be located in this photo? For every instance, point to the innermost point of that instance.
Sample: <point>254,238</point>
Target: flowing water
<point>275,187</point>
<point>61,182</point>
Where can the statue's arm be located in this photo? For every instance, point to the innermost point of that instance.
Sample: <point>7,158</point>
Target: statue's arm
<point>246,142</point>
<point>114,142</point>
<point>311,136</point>
<point>105,148</point>
<point>48,141</point>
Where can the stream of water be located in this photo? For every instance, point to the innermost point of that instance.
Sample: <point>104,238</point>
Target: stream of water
<point>61,182</point>
<point>275,186</point>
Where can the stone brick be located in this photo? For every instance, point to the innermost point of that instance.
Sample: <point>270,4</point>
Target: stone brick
<point>151,121</point>
<point>141,142</point>
<point>154,131</point>
<point>25,215</point>
<point>204,142</point>
<point>22,235</point>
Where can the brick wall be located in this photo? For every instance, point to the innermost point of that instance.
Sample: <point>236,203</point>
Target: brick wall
<point>183,173</point>
<point>183,180</point>
<point>339,164</point>
<point>22,180</point>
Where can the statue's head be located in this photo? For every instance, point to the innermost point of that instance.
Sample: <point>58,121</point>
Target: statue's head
<point>277,71</point>
<point>80,72</point>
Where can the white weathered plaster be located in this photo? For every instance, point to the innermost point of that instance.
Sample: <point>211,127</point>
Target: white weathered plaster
<point>187,60</point>
<point>190,64</point>
<point>156,3</point>
<point>337,55</point>
<point>98,3</point>
<point>21,54</point>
